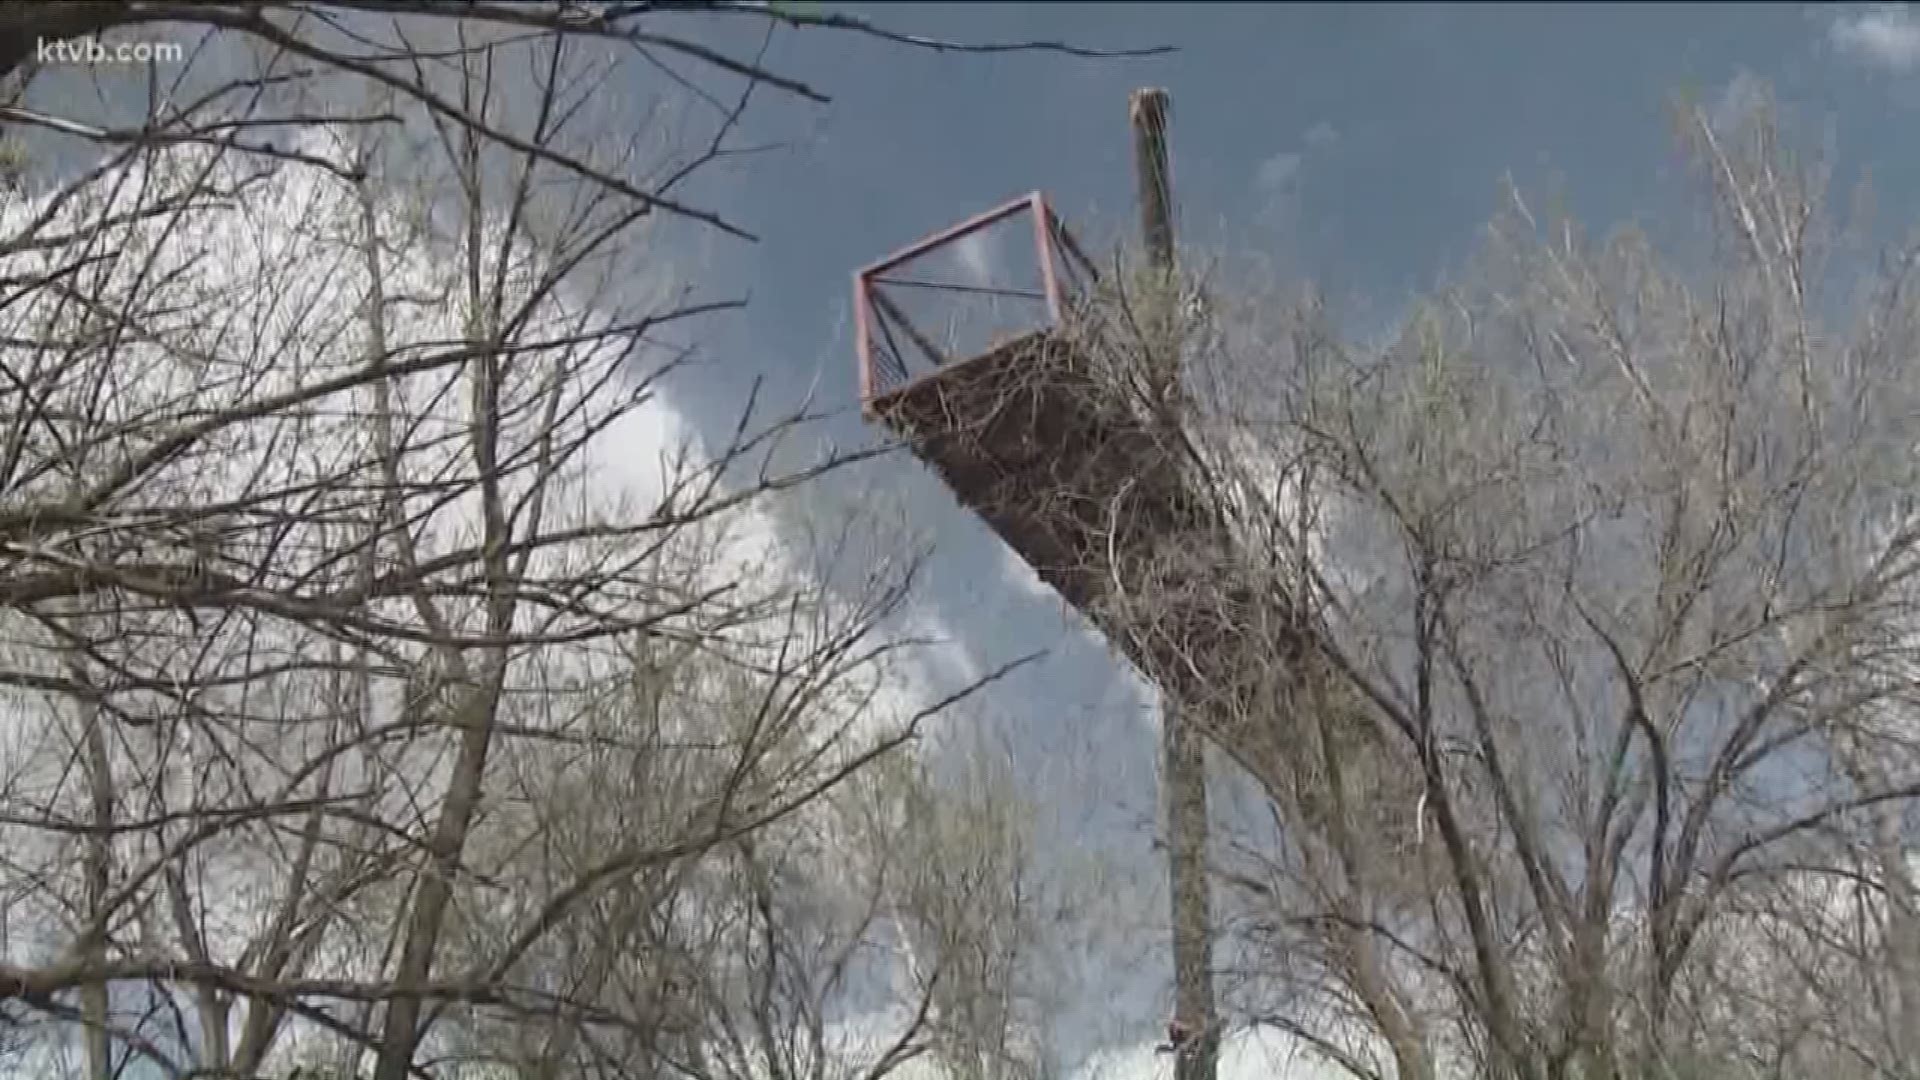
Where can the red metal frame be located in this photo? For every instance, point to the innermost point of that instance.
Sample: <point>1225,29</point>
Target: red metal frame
<point>1047,229</point>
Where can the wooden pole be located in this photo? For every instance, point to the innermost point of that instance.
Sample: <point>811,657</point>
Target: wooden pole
<point>1147,109</point>
<point>1183,777</point>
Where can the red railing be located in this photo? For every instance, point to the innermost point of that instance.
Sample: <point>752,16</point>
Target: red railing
<point>894,343</point>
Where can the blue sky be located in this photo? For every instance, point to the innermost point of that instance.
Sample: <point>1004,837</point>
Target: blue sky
<point>1363,142</point>
<point>1363,145</point>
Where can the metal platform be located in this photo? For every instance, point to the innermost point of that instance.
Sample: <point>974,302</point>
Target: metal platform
<point>1027,436</point>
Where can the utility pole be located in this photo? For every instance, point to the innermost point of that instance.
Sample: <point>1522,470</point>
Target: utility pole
<point>1147,109</point>
<point>1194,1032</point>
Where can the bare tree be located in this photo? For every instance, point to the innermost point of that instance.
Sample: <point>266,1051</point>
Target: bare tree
<point>1567,639</point>
<point>353,720</point>
<point>319,627</point>
<point>290,66</point>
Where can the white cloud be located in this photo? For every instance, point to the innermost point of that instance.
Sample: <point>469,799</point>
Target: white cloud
<point>1743,96</point>
<point>1254,1055</point>
<point>1885,36</point>
<point>976,258</point>
<point>1279,178</point>
<point>1277,182</point>
<point>284,272</point>
<point>1278,171</point>
<point>1249,1055</point>
<point>1281,171</point>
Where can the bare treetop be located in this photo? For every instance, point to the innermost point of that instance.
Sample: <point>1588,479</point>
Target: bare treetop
<point>408,50</point>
